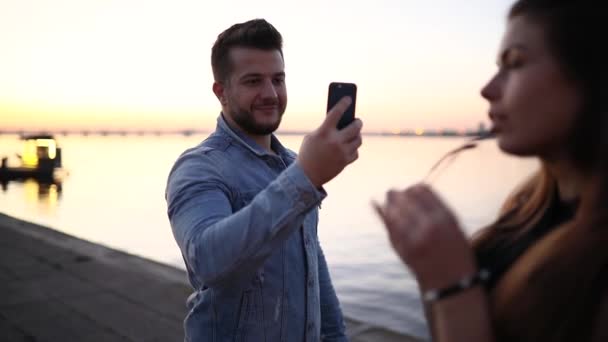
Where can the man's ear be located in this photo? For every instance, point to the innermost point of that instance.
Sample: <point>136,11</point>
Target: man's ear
<point>218,90</point>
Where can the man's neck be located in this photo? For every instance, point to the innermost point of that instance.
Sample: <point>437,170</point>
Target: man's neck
<point>262,140</point>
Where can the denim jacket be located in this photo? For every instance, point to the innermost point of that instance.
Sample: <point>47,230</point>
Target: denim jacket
<point>246,223</point>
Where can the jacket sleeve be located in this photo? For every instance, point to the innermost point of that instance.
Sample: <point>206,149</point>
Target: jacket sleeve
<point>332,321</point>
<point>217,243</point>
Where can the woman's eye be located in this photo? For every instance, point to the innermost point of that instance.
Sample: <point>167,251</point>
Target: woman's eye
<point>512,59</point>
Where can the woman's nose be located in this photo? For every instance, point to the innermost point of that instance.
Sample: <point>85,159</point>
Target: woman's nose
<point>491,91</point>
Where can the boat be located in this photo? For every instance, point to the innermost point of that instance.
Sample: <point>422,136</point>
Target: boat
<point>41,160</point>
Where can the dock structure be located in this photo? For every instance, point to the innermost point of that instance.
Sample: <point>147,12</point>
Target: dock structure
<point>56,287</point>
<point>40,160</point>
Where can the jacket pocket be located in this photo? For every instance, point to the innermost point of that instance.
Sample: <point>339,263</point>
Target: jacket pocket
<point>250,323</point>
<point>243,313</point>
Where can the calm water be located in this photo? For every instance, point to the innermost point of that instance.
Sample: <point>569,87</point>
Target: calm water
<point>114,195</point>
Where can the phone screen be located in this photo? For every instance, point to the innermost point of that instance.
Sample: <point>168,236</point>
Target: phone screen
<point>338,90</point>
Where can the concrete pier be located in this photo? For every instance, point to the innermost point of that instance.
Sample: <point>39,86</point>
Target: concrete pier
<point>55,287</point>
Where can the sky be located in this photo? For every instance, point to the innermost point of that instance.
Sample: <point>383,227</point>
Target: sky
<point>145,64</point>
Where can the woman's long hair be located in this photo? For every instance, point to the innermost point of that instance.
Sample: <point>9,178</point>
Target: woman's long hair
<point>556,293</point>
<point>575,34</point>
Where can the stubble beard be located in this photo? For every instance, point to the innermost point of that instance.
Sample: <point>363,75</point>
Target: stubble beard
<point>246,121</point>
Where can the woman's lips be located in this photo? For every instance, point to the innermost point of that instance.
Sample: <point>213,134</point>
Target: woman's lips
<point>498,120</point>
<point>497,117</point>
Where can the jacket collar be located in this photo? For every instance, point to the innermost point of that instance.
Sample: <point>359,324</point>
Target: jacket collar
<point>242,139</point>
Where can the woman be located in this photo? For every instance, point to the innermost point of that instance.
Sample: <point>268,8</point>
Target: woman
<point>540,272</point>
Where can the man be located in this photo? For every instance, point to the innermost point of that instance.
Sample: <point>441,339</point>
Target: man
<point>243,208</point>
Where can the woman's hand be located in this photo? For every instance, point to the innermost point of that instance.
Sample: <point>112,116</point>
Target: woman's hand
<point>427,237</point>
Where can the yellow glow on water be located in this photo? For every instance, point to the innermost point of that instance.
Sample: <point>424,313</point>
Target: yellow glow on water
<point>30,189</point>
<point>419,131</point>
<point>43,197</point>
<point>52,196</point>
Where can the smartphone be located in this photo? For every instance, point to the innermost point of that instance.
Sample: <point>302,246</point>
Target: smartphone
<point>338,90</point>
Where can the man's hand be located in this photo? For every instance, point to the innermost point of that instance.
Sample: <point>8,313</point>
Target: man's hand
<point>326,151</point>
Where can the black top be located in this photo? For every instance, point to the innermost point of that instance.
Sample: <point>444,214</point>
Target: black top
<point>498,257</point>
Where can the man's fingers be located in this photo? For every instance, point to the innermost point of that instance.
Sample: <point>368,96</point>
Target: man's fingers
<point>352,131</point>
<point>334,114</point>
<point>353,145</point>
<point>352,157</point>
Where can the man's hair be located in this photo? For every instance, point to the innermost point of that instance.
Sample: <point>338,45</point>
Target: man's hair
<point>256,33</point>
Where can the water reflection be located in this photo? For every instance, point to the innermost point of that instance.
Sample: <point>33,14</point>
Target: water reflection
<point>44,193</point>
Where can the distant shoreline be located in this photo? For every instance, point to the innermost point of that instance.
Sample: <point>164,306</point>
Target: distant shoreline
<point>114,133</point>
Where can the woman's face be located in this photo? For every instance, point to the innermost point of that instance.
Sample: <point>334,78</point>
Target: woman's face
<point>533,105</point>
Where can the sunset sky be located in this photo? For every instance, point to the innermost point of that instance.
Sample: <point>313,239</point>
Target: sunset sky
<point>145,64</point>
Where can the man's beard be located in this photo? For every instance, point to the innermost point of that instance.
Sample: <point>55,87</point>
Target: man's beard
<point>246,121</point>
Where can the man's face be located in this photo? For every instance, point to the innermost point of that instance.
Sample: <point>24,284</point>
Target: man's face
<point>254,96</point>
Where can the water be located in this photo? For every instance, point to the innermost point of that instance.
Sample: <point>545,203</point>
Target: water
<point>114,195</point>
